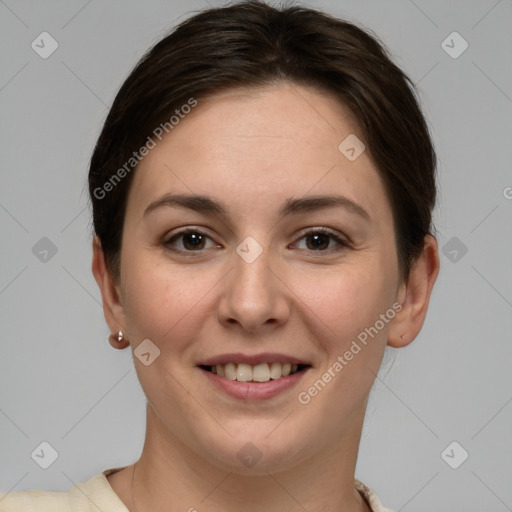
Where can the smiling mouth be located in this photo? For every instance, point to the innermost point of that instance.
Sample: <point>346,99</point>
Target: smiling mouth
<point>263,372</point>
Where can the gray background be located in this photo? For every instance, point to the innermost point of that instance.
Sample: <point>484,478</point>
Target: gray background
<point>62,383</point>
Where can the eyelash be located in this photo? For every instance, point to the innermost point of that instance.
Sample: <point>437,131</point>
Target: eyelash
<point>342,244</point>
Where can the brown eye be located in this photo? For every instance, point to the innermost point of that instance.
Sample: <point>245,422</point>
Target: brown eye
<point>323,240</point>
<point>318,241</point>
<point>189,240</point>
<point>192,241</point>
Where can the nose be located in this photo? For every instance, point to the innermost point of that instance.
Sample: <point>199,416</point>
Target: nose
<point>254,297</point>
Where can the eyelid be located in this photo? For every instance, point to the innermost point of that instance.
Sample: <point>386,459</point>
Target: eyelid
<point>325,231</point>
<point>185,230</point>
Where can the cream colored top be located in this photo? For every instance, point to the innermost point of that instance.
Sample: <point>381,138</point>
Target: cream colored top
<point>97,494</point>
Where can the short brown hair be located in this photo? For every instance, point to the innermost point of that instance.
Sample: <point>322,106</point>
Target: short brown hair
<point>253,44</point>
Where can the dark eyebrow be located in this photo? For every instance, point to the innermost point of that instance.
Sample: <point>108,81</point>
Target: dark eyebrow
<point>199,203</point>
<point>205,204</point>
<point>313,203</point>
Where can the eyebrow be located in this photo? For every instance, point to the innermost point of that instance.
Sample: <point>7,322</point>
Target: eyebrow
<point>292,206</point>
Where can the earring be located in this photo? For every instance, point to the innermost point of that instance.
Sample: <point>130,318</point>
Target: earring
<point>118,340</point>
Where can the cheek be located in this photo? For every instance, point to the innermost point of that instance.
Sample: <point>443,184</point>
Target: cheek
<point>161,300</point>
<point>349,303</point>
<point>165,304</point>
<point>346,300</point>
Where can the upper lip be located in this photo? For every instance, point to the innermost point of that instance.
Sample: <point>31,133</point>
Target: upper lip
<point>254,359</point>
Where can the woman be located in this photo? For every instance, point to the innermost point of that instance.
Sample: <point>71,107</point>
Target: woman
<point>262,193</point>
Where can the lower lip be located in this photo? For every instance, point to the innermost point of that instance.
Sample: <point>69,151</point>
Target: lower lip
<point>254,390</point>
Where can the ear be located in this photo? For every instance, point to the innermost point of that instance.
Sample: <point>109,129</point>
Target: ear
<point>112,305</point>
<point>414,296</point>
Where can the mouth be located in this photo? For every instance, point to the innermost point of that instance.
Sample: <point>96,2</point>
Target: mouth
<point>256,377</point>
<point>259,373</point>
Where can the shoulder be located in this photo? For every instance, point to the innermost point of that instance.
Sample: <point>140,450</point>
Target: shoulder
<point>88,496</point>
<point>32,501</point>
<point>371,497</point>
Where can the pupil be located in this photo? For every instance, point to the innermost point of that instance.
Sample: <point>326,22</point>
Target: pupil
<point>193,240</point>
<point>318,238</point>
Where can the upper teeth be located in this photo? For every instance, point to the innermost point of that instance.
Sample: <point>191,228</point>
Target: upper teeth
<point>259,373</point>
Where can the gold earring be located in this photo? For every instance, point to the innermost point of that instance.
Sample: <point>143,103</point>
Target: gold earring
<point>118,340</point>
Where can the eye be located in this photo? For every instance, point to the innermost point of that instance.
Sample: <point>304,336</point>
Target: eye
<point>190,239</point>
<point>323,240</point>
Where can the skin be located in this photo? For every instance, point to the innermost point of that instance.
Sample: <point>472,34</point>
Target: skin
<point>252,150</point>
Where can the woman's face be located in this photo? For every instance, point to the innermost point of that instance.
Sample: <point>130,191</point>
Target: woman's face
<point>255,280</point>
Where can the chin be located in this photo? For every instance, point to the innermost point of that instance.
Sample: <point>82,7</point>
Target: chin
<point>255,452</point>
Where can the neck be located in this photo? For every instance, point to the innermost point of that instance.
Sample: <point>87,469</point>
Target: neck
<point>168,474</point>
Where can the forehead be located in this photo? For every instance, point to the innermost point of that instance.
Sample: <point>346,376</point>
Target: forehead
<point>261,144</point>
